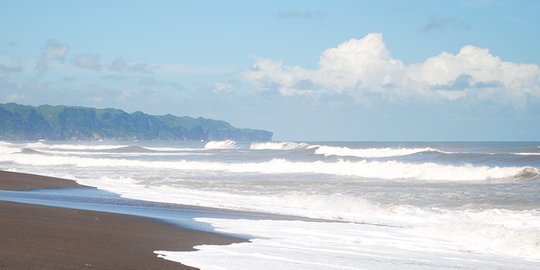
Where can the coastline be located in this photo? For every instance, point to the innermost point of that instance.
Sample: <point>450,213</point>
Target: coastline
<point>45,237</point>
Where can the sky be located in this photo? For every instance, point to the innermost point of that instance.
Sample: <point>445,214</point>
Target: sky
<point>463,70</point>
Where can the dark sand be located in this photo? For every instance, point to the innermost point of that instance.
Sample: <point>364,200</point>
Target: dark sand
<point>24,181</point>
<point>42,237</point>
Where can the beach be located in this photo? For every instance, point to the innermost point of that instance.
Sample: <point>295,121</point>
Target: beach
<point>43,237</point>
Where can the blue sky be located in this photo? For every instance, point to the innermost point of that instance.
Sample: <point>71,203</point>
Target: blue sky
<point>307,70</point>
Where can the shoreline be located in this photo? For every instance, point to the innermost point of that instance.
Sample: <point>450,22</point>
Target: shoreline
<point>45,237</point>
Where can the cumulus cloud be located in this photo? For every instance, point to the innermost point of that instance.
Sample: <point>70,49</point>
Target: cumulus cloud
<point>120,65</point>
<point>53,51</point>
<point>87,61</point>
<point>360,67</point>
<point>364,63</point>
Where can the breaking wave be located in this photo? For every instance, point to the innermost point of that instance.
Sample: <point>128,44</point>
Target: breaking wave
<point>363,169</point>
<point>277,145</point>
<point>83,148</point>
<point>370,152</point>
<point>228,144</point>
<point>527,154</point>
<point>72,147</point>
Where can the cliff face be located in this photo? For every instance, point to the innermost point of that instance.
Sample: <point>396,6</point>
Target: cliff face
<point>21,122</point>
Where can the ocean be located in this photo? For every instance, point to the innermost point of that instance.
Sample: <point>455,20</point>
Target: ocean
<point>359,205</point>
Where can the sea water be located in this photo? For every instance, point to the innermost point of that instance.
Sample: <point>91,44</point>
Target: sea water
<point>378,205</point>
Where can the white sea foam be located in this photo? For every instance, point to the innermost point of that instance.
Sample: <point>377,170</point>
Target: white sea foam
<point>370,152</point>
<point>172,149</point>
<point>86,147</point>
<point>97,147</point>
<point>123,154</point>
<point>228,144</point>
<point>326,245</point>
<point>527,154</point>
<point>90,150</point>
<point>364,169</point>
<point>299,203</point>
<point>6,149</point>
<point>468,233</point>
<point>514,233</point>
<point>277,145</point>
<point>41,145</point>
<point>293,203</point>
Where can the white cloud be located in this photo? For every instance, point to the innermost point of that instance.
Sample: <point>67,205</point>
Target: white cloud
<point>222,87</point>
<point>87,61</point>
<point>487,74</point>
<point>120,65</point>
<point>364,66</point>
<point>140,67</point>
<point>356,64</point>
<point>365,61</point>
<point>14,97</point>
<point>53,51</point>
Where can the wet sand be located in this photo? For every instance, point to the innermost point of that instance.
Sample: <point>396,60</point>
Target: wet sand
<point>42,237</point>
<point>24,181</point>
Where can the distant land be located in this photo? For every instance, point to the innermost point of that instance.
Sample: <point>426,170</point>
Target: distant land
<point>23,122</point>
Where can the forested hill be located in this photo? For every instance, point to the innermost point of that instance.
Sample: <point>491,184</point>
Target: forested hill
<point>22,122</point>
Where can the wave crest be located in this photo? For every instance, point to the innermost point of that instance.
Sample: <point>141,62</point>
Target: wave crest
<point>362,169</point>
<point>75,147</point>
<point>370,152</point>
<point>228,144</point>
<point>277,146</point>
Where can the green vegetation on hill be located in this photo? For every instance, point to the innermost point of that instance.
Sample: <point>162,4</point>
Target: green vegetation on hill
<point>22,122</point>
